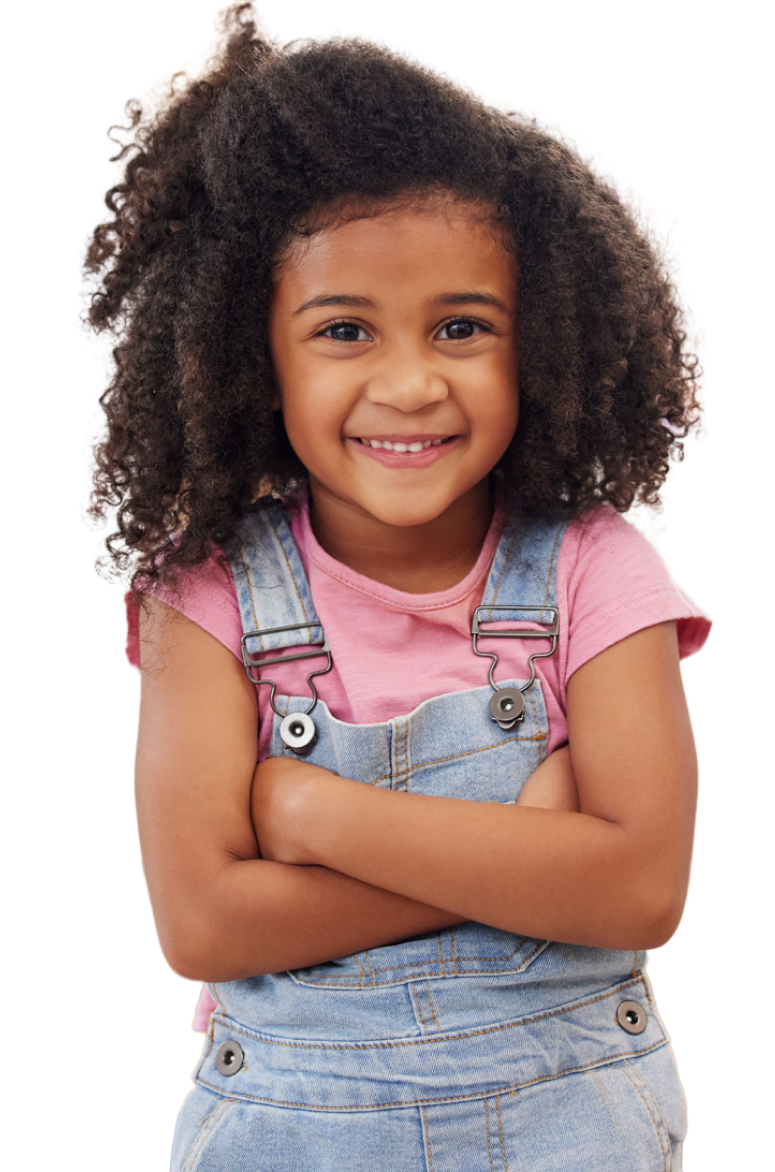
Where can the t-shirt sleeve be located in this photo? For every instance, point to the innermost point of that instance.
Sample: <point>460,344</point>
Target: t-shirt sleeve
<point>205,595</point>
<point>204,1007</point>
<point>615,584</point>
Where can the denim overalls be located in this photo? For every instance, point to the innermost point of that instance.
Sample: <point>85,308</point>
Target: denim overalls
<point>462,1050</point>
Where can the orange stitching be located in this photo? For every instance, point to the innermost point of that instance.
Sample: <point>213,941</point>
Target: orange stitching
<point>427,1139</point>
<point>371,967</point>
<point>404,1042</point>
<point>419,1008</point>
<point>441,957</point>
<point>433,1011</point>
<point>653,1120</point>
<point>540,736</point>
<point>204,1133</point>
<point>635,964</point>
<point>487,1128</point>
<point>500,1133</point>
<point>512,1089</point>
<point>424,963</point>
<point>605,1096</point>
<point>650,1093</point>
<point>452,950</point>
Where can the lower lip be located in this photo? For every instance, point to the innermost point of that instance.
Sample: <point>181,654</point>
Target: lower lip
<point>421,459</point>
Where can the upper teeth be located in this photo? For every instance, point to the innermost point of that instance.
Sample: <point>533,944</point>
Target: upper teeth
<point>418,446</point>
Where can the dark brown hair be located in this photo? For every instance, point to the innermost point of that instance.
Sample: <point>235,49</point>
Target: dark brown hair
<point>216,183</point>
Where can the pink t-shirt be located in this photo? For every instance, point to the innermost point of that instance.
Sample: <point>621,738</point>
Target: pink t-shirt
<point>392,650</point>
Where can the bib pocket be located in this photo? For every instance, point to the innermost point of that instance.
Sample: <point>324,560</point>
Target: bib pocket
<point>447,747</point>
<point>469,950</point>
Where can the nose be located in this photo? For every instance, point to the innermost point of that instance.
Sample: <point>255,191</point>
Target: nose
<point>407,382</point>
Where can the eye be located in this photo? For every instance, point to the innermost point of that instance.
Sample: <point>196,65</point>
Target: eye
<point>344,331</point>
<point>460,330</point>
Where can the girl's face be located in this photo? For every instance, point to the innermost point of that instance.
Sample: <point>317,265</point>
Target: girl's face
<point>393,340</point>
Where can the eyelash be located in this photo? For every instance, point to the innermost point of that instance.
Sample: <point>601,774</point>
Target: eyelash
<point>346,321</point>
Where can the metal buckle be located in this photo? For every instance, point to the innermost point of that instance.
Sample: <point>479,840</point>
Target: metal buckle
<point>553,633</point>
<point>250,663</point>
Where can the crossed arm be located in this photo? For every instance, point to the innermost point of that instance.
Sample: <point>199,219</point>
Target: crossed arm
<point>596,851</point>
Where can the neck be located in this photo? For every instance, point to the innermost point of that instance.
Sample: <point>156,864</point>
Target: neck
<point>418,559</point>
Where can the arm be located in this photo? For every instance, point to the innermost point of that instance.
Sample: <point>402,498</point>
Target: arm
<point>614,875</point>
<point>221,911</point>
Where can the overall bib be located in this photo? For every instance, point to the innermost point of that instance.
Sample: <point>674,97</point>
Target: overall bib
<point>464,1050</point>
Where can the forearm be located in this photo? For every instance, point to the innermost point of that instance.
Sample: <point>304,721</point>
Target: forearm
<point>544,873</point>
<point>259,916</point>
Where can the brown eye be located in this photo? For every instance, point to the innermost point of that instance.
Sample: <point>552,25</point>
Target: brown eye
<point>345,331</point>
<point>459,331</point>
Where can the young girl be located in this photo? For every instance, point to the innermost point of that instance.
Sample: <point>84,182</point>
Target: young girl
<point>390,365</point>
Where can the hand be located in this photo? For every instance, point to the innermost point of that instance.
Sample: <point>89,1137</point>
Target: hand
<point>553,785</point>
<point>282,795</point>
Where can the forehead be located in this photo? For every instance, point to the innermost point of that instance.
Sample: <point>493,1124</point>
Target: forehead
<point>427,248</point>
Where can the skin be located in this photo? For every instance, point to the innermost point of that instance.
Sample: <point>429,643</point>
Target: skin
<point>430,271</point>
<point>417,337</point>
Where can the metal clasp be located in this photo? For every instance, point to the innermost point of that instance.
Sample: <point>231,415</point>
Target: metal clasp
<point>507,706</point>
<point>252,665</point>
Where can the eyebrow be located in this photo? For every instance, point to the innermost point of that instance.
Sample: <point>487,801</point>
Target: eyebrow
<point>351,301</point>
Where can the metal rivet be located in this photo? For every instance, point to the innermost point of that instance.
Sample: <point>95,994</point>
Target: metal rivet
<point>507,707</point>
<point>632,1017</point>
<point>298,732</point>
<point>229,1058</point>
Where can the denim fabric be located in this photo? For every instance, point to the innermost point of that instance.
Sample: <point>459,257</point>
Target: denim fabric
<point>466,1049</point>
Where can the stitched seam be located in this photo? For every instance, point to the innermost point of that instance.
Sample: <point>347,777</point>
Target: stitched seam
<point>452,950</point>
<point>427,1139</point>
<point>401,762</point>
<point>407,770</point>
<point>651,1112</point>
<point>650,1094</point>
<point>540,736</point>
<point>424,964</point>
<point>371,968</point>
<point>404,1042</point>
<point>500,1133</point>
<point>419,1009</point>
<point>441,957</point>
<point>607,1101</point>
<point>204,1134</point>
<point>648,994</point>
<point>503,571</point>
<point>635,964</point>
<point>293,578</point>
<point>551,565</point>
<point>433,1011</point>
<point>487,1128</point>
<point>511,1087</point>
<point>535,712</point>
<point>250,585</point>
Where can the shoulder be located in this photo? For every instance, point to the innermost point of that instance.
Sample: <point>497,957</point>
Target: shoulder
<point>205,595</point>
<point>614,583</point>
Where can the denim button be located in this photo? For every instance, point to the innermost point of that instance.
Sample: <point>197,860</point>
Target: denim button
<point>632,1017</point>
<point>507,707</point>
<point>229,1058</point>
<point>298,732</point>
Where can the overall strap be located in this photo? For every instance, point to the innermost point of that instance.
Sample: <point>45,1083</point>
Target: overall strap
<point>272,587</point>
<point>523,573</point>
<point>521,588</point>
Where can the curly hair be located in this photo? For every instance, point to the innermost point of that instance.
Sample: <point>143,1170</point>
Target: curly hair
<point>273,142</point>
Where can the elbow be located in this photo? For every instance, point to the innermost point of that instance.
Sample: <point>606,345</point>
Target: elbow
<point>665,918</point>
<point>192,939</point>
<point>187,954</point>
<point>660,907</point>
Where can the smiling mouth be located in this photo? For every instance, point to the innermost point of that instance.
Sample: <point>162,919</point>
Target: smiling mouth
<point>412,446</point>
